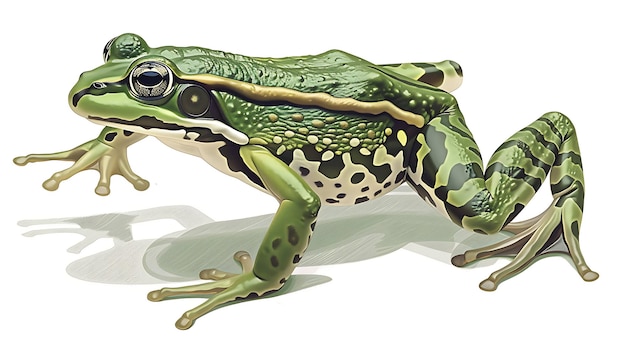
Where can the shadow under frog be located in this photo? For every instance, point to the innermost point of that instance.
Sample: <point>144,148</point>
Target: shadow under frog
<point>343,234</point>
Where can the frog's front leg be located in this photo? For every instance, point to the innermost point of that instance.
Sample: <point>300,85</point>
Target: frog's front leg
<point>106,154</point>
<point>284,244</point>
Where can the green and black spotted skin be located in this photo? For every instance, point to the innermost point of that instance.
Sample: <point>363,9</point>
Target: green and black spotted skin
<point>329,129</point>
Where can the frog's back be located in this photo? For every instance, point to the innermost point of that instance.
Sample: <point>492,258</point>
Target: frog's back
<point>334,71</point>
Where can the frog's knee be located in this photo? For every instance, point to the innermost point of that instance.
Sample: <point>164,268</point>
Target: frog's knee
<point>311,205</point>
<point>560,122</point>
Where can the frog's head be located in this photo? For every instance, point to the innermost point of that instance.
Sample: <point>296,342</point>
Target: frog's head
<point>140,91</point>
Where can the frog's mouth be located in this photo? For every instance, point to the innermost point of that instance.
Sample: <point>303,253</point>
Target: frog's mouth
<point>205,131</point>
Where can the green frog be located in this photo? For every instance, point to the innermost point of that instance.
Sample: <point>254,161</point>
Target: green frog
<point>329,129</point>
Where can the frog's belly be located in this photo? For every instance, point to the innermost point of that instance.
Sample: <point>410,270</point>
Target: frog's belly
<point>355,182</point>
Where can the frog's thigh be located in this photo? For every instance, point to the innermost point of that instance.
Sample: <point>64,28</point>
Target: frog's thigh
<point>290,231</point>
<point>446,167</point>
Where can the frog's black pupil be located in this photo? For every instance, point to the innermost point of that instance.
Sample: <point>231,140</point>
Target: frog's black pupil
<point>194,101</point>
<point>150,78</point>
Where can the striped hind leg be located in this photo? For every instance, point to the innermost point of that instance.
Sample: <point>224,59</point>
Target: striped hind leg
<point>448,173</point>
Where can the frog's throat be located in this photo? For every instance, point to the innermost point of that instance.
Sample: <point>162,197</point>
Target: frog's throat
<point>323,100</point>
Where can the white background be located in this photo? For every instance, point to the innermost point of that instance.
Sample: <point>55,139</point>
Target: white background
<point>519,62</point>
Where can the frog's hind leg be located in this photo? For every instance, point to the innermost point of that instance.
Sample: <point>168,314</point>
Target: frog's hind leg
<point>284,244</point>
<point>448,173</point>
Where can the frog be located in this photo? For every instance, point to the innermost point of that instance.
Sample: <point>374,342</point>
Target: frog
<point>327,129</point>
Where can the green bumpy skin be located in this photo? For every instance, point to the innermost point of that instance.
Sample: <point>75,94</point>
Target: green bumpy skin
<point>328,129</point>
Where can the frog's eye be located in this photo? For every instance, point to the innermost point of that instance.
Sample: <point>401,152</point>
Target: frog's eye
<point>151,80</point>
<point>107,50</point>
<point>194,101</point>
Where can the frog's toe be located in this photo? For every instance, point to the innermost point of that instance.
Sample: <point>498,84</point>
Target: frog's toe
<point>590,276</point>
<point>184,322</point>
<point>21,160</point>
<point>137,182</point>
<point>103,189</point>
<point>51,184</point>
<point>459,260</point>
<point>242,257</point>
<point>488,285</point>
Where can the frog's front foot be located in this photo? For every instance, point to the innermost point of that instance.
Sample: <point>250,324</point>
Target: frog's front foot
<point>94,154</point>
<point>554,231</point>
<point>225,288</point>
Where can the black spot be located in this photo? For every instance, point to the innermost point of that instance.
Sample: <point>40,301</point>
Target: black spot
<point>332,201</point>
<point>110,136</point>
<point>575,229</point>
<point>433,76</point>
<point>313,226</point>
<point>230,151</point>
<point>275,244</point>
<point>274,261</point>
<point>337,185</point>
<point>518,208</point>
<point>292,236</point>
<point>377,192</point>
<point>283,280</point>
<point>400,176</point>
<point>361,199</point>
<point>330,168</point>
<point>562,185</point>
<point>364,189</point>
<point>296,259</point>
<point>304,171</point>
<point>381,172</point>
<point>341,195</point>
<point>576,193</point>
<point>436,157</point>
<point>422,192</point>
<point>128,133</point>
<point>387,185</point>
<point>357,177</point>
<point>574,157</point>
<point>457,68</point>
<point>319,184</point>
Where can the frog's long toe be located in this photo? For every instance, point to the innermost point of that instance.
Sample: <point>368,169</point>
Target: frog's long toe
<point>242,257</point>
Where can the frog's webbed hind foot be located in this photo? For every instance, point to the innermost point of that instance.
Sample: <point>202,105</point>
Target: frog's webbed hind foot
<point>554,231</point>
<point>226,288</point>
